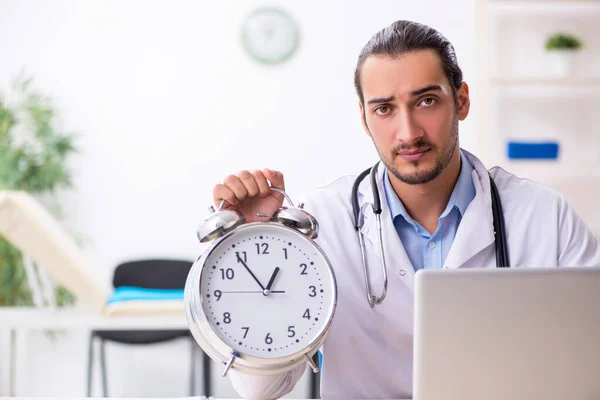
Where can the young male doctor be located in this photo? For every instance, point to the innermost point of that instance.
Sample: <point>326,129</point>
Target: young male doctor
<point>436,213</point>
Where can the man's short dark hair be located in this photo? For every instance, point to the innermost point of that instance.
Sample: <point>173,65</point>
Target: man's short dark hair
<point>406,36</point>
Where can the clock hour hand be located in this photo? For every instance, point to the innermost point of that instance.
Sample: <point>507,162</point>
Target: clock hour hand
<point>248,269</point>
<point>268,288</point>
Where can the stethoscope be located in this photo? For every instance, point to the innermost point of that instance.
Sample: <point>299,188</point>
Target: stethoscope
<point>502,260</point>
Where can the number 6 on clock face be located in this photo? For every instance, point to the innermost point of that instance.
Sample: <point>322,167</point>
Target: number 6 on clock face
<point>267,293</point>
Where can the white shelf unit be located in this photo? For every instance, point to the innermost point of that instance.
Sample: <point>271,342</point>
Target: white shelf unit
<point>519,98</point>
<point>518,95</point>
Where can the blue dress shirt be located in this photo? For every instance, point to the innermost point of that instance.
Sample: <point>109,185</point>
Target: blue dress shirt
<point>424,249</point>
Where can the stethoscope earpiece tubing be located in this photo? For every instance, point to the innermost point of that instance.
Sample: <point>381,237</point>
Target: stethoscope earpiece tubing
<point>502,260</point>
<point>354,197</point>
<point>376,197</point>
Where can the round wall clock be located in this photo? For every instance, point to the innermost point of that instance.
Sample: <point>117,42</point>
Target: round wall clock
<point>270,35</point>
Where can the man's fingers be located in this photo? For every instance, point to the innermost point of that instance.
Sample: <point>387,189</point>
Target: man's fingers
<point>249,183</point>
<point>237,186</point>
<point>263,186</point>
<point>222,192</point>
<point>276,178</point>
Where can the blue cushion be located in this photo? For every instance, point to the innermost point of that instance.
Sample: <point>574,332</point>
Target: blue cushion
<point>524,150</point>
<point>127,293</point>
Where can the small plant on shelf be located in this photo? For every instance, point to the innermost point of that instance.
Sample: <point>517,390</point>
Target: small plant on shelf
<point>562,48</point>
<point>563,41</point>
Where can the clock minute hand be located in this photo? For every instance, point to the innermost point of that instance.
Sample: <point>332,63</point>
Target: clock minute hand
<point>248,269</point>
<point>251,291</point>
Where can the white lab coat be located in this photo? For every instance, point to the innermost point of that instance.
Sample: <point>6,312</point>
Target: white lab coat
<point>368,352</point>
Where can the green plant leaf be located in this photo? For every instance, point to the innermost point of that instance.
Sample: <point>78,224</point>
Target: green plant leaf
<point>561,41</point>
<point>37,165</point>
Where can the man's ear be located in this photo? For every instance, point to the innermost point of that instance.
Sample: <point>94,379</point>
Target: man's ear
<point>464,102</point>
<point>363,118</point>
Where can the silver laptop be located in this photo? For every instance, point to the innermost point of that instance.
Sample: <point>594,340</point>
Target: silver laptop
<point>507,334</point>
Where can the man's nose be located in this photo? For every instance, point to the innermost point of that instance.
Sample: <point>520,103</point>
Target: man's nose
<point>407,129</point>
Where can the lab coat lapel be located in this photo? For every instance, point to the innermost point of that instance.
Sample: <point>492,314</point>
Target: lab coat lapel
<point>476,229</point>
<point>396,257</point>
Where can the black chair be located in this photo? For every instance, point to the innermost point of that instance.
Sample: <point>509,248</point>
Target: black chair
<point>151,274</point>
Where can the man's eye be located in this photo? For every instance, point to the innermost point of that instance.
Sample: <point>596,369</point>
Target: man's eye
<point>382,110</point>
<point>428,102</point>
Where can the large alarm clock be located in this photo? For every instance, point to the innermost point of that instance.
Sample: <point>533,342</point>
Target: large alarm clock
<point>262,296</point>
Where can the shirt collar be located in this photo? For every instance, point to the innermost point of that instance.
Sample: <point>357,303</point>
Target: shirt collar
<point>463,193</point>
<point>464,190</point>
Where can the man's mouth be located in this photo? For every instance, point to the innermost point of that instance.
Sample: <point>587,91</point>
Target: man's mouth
<point>414,154</point>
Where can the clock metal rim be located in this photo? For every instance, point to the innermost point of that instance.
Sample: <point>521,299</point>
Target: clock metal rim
<point>290,51</point>
<point>204,333</point>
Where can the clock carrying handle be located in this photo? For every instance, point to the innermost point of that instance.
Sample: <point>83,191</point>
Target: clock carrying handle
<point>272,188</point>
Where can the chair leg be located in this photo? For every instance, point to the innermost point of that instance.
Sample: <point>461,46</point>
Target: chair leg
<point>193,368</point>
<point>90,365</point>
<point>206,375</point>
<point>315,380</point>
<point>103,368</point>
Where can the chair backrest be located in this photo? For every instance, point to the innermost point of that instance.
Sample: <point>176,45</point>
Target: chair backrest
<point>152,274</point>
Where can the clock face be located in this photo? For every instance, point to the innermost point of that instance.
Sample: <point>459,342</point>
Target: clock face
<point>267,291</point>
<point>270,35</point>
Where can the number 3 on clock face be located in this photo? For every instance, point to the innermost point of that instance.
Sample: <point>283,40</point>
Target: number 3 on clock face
<point>267,291</point>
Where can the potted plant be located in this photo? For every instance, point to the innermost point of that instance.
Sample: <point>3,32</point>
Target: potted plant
<point>33,155</point>
<point>562,47</point>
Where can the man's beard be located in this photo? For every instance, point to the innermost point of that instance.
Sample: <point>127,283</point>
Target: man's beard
<point>421,177</point>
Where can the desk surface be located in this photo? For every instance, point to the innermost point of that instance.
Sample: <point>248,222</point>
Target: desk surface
<point>34,318</point>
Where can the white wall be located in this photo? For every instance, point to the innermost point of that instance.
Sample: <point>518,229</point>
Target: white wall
<point>166,104</point>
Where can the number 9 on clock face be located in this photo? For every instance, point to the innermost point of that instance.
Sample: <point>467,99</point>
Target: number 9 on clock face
<point>267,291</point>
